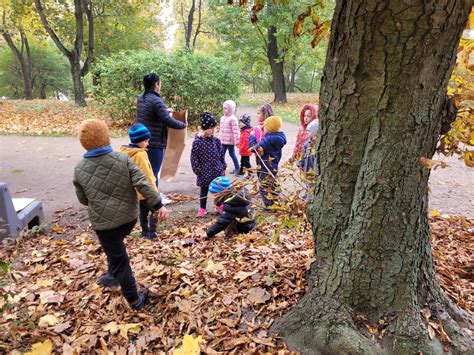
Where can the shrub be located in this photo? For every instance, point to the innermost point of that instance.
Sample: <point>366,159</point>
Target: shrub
<point>193,82</point>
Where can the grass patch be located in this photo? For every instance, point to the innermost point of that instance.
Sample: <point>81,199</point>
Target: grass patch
<point>17,171</point>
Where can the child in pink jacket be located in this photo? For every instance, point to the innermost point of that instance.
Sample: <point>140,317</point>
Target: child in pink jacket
<point>229,133</point>
<point>308,114</point>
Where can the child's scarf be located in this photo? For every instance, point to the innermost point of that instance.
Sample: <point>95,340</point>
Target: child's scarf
<point>97,152</point>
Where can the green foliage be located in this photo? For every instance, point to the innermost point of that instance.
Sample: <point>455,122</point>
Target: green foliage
<point>50,73</point>
<point>189,81</point>
<point>244,43</point>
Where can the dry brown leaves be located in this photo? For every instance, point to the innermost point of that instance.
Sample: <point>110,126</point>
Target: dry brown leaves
<point>452,240</point>
<point>228,292</point>
<point>38,117</point>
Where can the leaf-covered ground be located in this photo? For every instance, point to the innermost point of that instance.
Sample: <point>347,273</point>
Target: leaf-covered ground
<point>46,117</point>
<point>225,291</point>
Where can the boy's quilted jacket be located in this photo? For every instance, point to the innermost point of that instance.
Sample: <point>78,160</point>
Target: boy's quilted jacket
<point>106,184</point>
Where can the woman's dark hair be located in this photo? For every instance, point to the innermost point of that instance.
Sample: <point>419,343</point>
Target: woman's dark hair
<point>150,80</point>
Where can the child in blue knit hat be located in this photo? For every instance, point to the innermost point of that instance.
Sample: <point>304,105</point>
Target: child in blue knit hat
<point>136,150</point>
<point>237,215</point>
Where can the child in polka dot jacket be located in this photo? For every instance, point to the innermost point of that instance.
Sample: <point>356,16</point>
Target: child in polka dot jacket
<point>207,159</point>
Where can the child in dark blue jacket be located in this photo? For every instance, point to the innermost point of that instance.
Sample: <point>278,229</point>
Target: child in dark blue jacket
<point>270,150</point>
<point>237,215</point>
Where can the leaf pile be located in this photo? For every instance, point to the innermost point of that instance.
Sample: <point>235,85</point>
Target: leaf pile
<point>39,117</point>
<point>227,291</point>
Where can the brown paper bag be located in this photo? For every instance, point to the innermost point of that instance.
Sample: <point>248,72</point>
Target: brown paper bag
<point>174,148</point>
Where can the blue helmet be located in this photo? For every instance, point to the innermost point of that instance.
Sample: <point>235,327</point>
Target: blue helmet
<point>219,184</point>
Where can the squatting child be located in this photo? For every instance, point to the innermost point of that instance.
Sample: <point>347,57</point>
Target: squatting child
<point>237,216</point>
<point>207,159</point>
<point>105,181</point>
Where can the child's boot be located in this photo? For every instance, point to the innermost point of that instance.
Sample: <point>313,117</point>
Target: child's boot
<point>152,230</point>
<point>141,301</point>
<point>201,212</point>
<point>145,229</point>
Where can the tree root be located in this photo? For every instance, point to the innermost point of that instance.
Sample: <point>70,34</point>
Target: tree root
<point>321,325</point>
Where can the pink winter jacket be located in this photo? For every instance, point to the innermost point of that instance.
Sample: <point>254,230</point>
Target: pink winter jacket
<point>229,132</point>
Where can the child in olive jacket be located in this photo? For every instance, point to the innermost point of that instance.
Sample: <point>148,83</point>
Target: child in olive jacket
<point>237,215</point>
<point>136,150</point>
<point>105,181</point>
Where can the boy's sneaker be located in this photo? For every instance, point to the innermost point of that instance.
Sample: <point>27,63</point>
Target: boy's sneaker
<point>201,212</point>
<point>150,235</point>
<point>108,280</point>
<point>239,174</point>
<point>142,300</point>
<point>219,209</point>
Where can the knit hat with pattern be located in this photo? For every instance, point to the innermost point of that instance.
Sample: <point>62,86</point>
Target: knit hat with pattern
<point>272,124</point>
<point>93,133</point>
<point>207,120</point>
<point>245,119</point>
<point>138,133</point>
<point>219,184</point>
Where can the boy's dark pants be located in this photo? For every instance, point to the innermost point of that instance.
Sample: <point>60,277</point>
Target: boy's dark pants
<point>244,163</point>
<point>147,225</point>
<point>113,246</point>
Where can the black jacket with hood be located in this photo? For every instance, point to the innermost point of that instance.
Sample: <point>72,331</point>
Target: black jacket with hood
<point>152,112</point>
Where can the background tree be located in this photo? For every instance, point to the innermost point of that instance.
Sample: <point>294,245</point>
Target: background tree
<point>191,18</point>
<point>16,17</point>
<point>61,14</point>
<point>269,39</point>
<point>49,75</point>
<point>382,107</point>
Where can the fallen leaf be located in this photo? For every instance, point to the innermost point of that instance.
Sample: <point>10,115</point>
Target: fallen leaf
<point>132,328</point>
<point>47,320</point>
<point>211,266</point>
<point>258,295</point>
<point>242,275</point>
<point>111,327</point>
<point>44,348</point>
<point>59,328</point>
<point>190,346</point>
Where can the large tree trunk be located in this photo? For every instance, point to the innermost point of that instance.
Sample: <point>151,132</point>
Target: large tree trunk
<point>382,104</point>
<point>277,66</point>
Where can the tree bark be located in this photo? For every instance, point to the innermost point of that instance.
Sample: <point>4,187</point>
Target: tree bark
<point>277,66</point>
<point>381,107</point>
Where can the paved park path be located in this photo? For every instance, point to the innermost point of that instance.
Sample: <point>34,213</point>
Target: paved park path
<point>42,167</point>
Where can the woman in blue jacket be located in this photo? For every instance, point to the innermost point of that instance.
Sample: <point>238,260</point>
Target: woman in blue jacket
<point>153,114</point>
